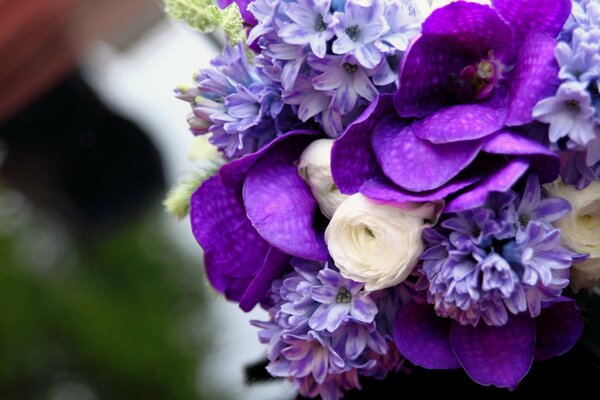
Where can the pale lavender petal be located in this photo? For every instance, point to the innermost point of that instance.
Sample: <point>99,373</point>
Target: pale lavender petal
<point>352,160</point>
<point>422,337</point>
<point>320,366</point>
<point>382,189</point>
<point>558,329</point>
<point>363,309</point>
<point>324,294</point>
<point>232,247</point>
<point>535,77</point>
<point>545,162</point>
<point>495,355</point>
<point>328,317</point>
<point>458,123</point>
<point>408,161</point>
<point>355,342</point>
<point>499,181</point>
<point>280,204</point>
<point>275,265</point>
<point>330,277</point>
<point>534,15</point>
<point>296,352</point>
<point>551,209</point>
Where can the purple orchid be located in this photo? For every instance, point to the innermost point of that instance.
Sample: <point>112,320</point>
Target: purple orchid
<point>254,214</point>
<point>490,355</point>
<point>474,74</point>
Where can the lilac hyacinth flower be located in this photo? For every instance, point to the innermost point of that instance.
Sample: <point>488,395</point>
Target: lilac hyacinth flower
<point>346,77</point>
<point>311,23</point>
<point>473,75</point>
<point>357,29</point>
<point>326,359</point>
<point>237,105</point>
<point>254,214</point>
<point>341,299</point>
<point>500,259</point>
<point>490,355</point>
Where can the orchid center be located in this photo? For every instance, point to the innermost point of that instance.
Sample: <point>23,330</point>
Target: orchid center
<point>343,296</point>
<point>477,81</point>
<point>352,32</point>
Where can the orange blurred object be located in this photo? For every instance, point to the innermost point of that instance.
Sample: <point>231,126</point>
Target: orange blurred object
<point>41,40</point>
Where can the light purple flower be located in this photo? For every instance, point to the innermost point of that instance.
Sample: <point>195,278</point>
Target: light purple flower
<point>348,79</point>
<point>310,101</point>
<point>357,29</point>
<point>569,113</point>
<point>311,24</point>
<point>501,259</point>
<point>341,300</point>
<point>403,26</point>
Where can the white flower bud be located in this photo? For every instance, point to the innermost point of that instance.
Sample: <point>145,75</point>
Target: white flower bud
<point>315,168</point>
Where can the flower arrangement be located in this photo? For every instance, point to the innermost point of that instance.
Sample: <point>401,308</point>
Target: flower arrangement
<point>399,180</point>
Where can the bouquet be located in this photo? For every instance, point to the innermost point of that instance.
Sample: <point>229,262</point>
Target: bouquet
<point>399,180</point>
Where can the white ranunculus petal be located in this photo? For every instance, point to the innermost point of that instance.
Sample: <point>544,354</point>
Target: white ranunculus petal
<point>580,230</point>
<point>374,243</point>
<point>315,168</point>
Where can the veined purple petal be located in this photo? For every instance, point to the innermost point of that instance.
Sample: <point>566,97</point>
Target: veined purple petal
<point>464,21</point>
<point>493,355</point>
<point>500,181</point>
<point>280,204</point>
<point>545,162</point>
<point>422,337</point>
<point>275,265</point>
<point>382,189</point>
<point>525,16</point>
<point>424,75</point>
<point>328,317</point>
<point>551,209</point>
<point>558,329</point>
<point>458,123</point>
<point>363,309</point>
<point>355,342</point>
<point>324,294</point>
<point>408,160</point>
<point>352,160</point>
<point>534,78</point>
<point>232,247</point>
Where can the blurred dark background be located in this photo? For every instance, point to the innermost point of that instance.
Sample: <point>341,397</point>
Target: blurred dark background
<point>103,295</point>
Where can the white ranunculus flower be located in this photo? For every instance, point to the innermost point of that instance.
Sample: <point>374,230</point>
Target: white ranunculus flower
<point>315,168</point>
<point>426,7</point>
<point>375,243</point>
<point>580,230</point>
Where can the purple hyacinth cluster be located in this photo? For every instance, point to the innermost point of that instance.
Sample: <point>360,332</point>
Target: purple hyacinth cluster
<point>573,112</point>
<point>237,104</point>
<point>499,259</point>
<point>332,58</point>
<point>324,331</point>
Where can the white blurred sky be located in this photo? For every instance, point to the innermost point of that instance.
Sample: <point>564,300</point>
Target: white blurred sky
<point>138,83</point>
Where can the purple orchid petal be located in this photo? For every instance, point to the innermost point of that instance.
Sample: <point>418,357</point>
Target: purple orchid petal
<point>458,123</point>
<point>535,77</point>
<point>525,16</point>
<point>352,161</point>
<point>382,189</point>
<point>423,78</point>
<point>422,337</point>
<point>558,329</point>
<point>280,204</point>
<point>500,181</point>
<point>408,160</point>
<point>464,21</point>
<point>275,265</point>
<point>493,355</point>
<point>545,162</point>
<point>232,247</point>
